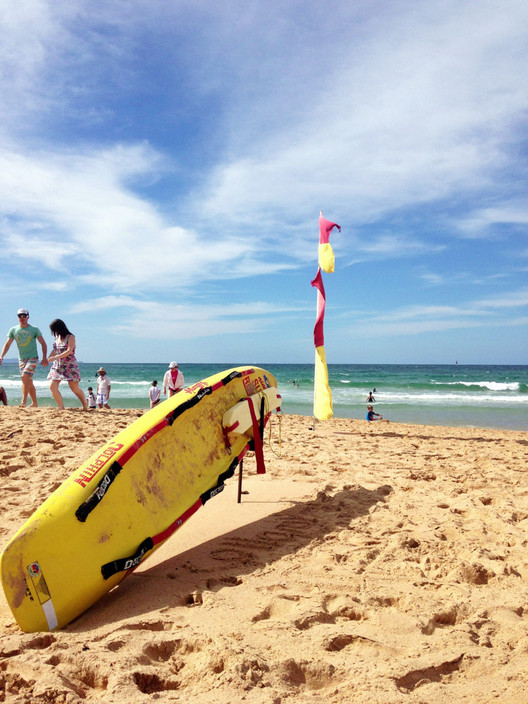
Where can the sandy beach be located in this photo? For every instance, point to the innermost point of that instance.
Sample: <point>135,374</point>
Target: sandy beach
<point>378,563</point>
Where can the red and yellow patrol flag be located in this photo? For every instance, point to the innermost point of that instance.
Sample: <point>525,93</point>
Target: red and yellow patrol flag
<point>323,409</point>
<point>326,253</point>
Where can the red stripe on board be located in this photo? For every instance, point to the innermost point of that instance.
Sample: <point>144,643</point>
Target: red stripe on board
<point>141,441</point>
<point>157,539</point>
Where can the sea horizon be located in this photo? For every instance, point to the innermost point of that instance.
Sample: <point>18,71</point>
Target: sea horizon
<point>471,395</point>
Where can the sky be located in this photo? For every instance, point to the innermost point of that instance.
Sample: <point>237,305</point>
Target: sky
<point>163,164</point>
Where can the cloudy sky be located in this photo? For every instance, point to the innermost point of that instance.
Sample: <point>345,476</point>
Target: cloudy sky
<point>163,164</point>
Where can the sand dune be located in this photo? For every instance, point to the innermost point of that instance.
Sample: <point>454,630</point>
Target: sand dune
<point>378,563</point>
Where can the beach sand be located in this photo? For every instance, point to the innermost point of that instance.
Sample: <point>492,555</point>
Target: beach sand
<point>378,563</point>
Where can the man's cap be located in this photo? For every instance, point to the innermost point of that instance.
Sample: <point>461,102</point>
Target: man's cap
<point>173,364</point>
<point>22,311</point>
<point>101,369</point>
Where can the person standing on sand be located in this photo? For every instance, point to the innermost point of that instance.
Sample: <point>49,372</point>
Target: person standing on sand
<point>173,380</point>
<point>91,399</point>
<point>103,388</point>
<point>25,336</point>
<point>64,367</point>
<point>3,396</point>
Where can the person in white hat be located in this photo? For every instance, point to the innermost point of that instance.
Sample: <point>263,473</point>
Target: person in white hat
<point>26,336</point>
<point>173,380</point>
<point>103,388</point>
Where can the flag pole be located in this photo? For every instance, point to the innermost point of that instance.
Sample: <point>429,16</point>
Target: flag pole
<point>315,371</point>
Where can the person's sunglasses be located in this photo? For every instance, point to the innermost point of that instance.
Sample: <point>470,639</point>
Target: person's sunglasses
<point>22,315</point>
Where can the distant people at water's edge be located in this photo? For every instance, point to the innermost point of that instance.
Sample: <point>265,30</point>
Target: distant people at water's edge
<point>154,394</point>
<point>172,380</point>
<point>103,388</point>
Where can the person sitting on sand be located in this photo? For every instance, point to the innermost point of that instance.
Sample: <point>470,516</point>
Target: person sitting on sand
<point>371,415</point>
<point>3,396</point>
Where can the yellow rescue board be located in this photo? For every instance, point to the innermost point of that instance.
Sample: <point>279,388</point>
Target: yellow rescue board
<point>128,498</point>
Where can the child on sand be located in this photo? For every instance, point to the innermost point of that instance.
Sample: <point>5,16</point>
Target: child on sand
<point>91,399</point>
<point>371,415</point>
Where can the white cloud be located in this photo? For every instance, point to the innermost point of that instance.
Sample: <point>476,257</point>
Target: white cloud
<point>418,319</point>
<point>513,299</point>
<point>480,221</point>
<point>189,320</point>
<point>54,286</point>
<point>62,206</point>
<point>185,312</point>
<point>396,246</point>
<point>433,279</point>
<point>428,109</point>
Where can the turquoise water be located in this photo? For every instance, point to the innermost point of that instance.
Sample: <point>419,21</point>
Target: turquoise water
<point>472,395</point>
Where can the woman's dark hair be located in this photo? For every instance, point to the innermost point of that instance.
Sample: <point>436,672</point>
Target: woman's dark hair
<point>59,329</point>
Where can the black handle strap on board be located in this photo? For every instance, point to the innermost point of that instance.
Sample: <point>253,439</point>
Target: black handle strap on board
<point>219,486</point>
<point>262,408</point>
<point>177,412</point>
<point>124,564</point>
<point>91,502</point>
<point>127,563</point>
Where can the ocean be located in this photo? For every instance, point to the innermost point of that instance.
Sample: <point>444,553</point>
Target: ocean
<point>457,395</point>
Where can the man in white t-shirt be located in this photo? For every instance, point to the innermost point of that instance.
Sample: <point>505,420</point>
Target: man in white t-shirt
<point>103,388</point>
<point>173,380</point>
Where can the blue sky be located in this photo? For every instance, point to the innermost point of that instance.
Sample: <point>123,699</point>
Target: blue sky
<point>164,162</point>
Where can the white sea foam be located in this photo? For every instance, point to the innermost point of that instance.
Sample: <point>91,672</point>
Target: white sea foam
<point>130,383</point>
<point>491,385</point>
